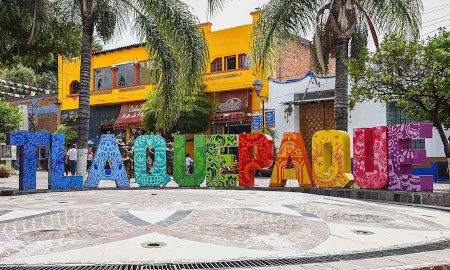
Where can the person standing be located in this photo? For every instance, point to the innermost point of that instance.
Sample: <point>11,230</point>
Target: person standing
<point>72,154</point>
<point>189,164</point>
<point>90,157</point>
<point>66,162</point>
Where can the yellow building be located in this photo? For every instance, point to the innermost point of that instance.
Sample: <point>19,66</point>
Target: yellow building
<point>120,82</point>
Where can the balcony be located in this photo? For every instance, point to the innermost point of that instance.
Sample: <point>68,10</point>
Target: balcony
<point>229,80</point>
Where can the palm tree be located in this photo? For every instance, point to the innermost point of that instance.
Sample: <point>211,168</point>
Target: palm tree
<point>336,24</point>
<point>173,39</point>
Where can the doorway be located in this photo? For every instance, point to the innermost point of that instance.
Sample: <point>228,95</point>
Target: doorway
<point>314,117</point>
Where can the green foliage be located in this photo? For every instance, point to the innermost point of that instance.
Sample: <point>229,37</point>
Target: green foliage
<point>414,73</point>
<point>26,75</point>
<point>4,167</point>
<point>35,40</point>
<point>47,80</point>
<point>19,74</point>
<point>105,17</point>
<point>70,135</point>
<point>194,116</point>
<point>10,118</point>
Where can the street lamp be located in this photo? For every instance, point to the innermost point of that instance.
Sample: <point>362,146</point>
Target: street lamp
<point>258,85</point>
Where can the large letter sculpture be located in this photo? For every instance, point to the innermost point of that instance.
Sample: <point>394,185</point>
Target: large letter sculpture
<point>108,150</point>
<point>402,157</point>
<point>56,178</point>
<point>331,159</point>
<point>292,162</point>
<point>158,176</point>
<point>248,163</point>
<point>27,143</point>
<point>179,167</point>
<point>215,161</point>
<point>370,157</point>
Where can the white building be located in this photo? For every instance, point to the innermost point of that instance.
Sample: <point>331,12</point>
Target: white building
<point>306,105</point>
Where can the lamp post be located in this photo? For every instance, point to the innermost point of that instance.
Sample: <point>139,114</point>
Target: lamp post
<point>258,85</point>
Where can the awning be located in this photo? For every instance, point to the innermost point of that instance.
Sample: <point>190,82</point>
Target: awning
<point>227,117</point>
<point>129,116</point>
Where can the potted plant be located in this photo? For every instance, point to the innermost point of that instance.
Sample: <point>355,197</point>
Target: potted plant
<point>5,171</point>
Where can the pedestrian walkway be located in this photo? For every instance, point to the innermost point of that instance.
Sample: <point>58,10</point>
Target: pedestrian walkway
<point>181,225</point>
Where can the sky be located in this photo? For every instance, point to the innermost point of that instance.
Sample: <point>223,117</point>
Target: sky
<point>237,12</point>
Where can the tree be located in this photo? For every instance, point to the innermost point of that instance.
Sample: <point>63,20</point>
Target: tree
<point>10,118</point>
<point>26,75</point>
<point>69,134</point>
<point>337,20</point>
<point>172,38</point>
<point>414,73</point>
<point>194,116</point>
<point>35,32</point>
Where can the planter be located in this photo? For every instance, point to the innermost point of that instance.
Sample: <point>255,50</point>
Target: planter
<point>4,173</point>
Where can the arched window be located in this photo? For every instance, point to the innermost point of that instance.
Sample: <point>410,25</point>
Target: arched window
<point>216,65</point>
<point>74,87</point>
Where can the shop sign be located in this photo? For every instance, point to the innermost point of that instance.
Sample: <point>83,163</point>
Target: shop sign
<point>256,122</point>
<point>270,119</point>
<point>133,112</point>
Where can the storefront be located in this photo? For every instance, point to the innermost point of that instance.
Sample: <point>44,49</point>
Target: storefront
<point>232,114</point>
<point>128,124</point>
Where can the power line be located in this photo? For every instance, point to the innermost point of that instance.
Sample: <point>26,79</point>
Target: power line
<point>436,19</point>
<point>434,30</point>
<point>436,23</point>
<point>437,8</point>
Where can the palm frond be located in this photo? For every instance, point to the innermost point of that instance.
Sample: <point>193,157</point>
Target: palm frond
<point>395,16</point>
<point>163,101</point>
<point>279,20</point>
<point>215,5</point>
<point>178,44</point>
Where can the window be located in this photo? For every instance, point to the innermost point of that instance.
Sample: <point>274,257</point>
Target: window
<point>244,61</point>
<point>230,62</point>
<point>149,73</point>
<point>216,65</point>
<point>125,75</point>
<point>102,78</point>
<point>395,115</point>
<point>74,87</point>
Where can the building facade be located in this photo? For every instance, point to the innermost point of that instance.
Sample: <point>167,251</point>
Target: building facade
<point>307,105</point>
<point>121,80</point>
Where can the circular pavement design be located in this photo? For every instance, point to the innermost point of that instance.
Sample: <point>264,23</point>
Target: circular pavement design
<point>119,226</point>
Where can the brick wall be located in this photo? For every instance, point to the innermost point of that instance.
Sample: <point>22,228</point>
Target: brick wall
<point>296,60</point>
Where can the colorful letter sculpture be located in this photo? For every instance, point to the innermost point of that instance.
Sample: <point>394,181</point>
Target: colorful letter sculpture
<point>370,157</point>
<point>27,143</point>
<point>158,175</point>
<point>247,162</point>
<point>56,178</point>
<point>215,161</point>
<point>331,159</point>
<point>179,167</point>
<point>402,157</point>
<point>108,151</point>
<point>292,162</point>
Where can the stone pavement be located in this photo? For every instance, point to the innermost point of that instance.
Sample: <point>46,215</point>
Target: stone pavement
<point>123,226</point>
<point>42,183</point>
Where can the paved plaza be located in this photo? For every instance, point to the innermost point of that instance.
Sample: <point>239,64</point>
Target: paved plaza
<point>159,226</point>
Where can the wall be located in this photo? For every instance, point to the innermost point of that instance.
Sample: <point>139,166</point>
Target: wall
<point>367,114</point>
<point>296,59</point>
<point>45,111</point>
<point>280,93</point>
